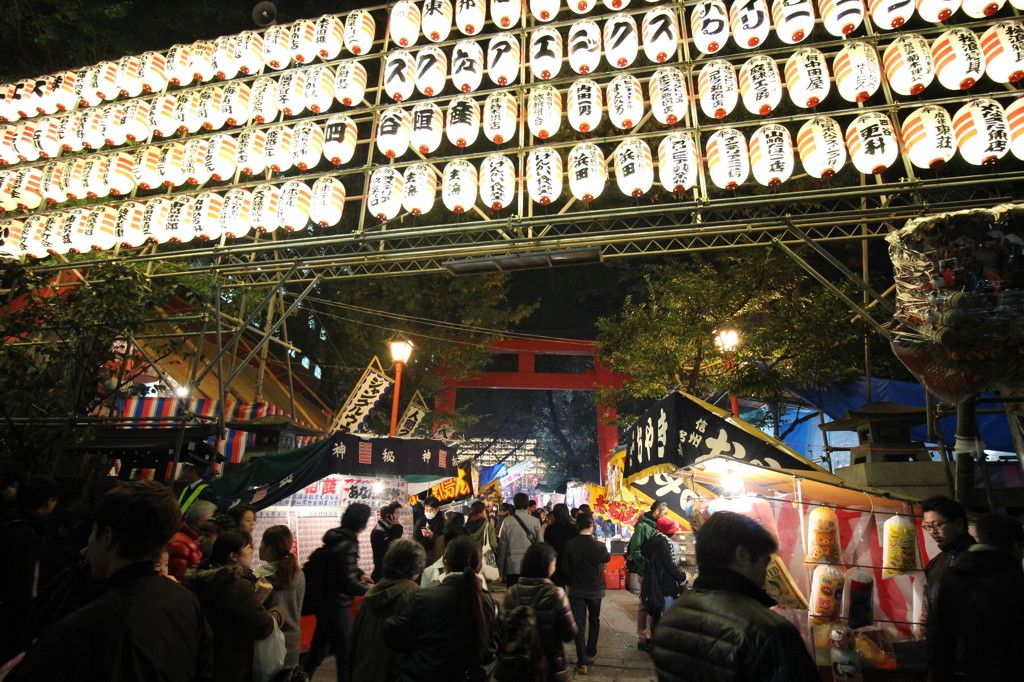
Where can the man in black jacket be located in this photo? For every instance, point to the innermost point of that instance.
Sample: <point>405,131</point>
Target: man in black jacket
<point>723,629</point>
<point>345,580</point>
<point>946,521</point>
<point>386,530</point>
<point>428,526</point>
<point>585,557</point>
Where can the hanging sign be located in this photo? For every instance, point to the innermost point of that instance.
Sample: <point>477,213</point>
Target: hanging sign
<point>368,391</point>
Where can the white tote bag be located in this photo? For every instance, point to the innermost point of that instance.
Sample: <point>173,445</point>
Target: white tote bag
<point>268,656</point>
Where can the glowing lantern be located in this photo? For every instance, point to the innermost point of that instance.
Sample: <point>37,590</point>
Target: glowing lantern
<point>206,216</point>
<point>89,129</point>
<point>458,186</point>
<point>251,157</point>
<point>890,14</point>
<point>858,73</point>
<point>934,11</point>
<point>249,52</point>
<point>908,64</point>
<point>436,21</point>
<point>194,162</point>
<point>275,47</point>
<point>420,189</point>
<point>220,158</point>
<point>771,154</point>
<point>329,36</point>
<point>128,225</point>
<point>470,16</point>
<point>467,66</point>
<point>350,83</point>
<point>44,87</point>
<point>709,26</point>
<point>587,172</point>
<point>278,148</point>
<point>431,70</point>
<point>185,115</point>
<point>105,83</point>
<point>119,174</point>
<point>728,159</point>
<point>99,228</point>
<point>307,145</point>
<point>959,61</point>
<point>497,182</point>
<point>669,97</point>
<point>263,100</point>
<point>302,45</point>
<point>8,134</point>
<point>179,228</point>
<point>359,32</point>
<point>506,13</point>
<point>760,85</point>
<point>393,132</point>
<point>871,141</point>
<point>225,59</point>
<point>841,17</point>
<point>25,132</point>
<point>807,77</point>
<point>235,213</point>
<point>503,56</point>
<point>56,236</point>
<point>427,127</point>
<point>72,230</point>
<point>63,92</point>
<point>580,6</point>
<point>69,139</point>
<point>28,242</point>
<point>544,111</point>
<point>144,167</point>
<point>340,134</point>
<point>499,116</point>
<point>544,175</point>
<point>928,137</point>
<point>404,23</point>
<point>717,88</point>
<point>85,90</point>
<point>545,53</point>
<point>209,108</point>
<point>660,30</point>
<point>50,183</point>
<point>171,164</point>
<point>981,131</point>
<point>384,194</point>
<point>634,167</point>
<point>1015,121</point>
<point>154,219</point>
<point>176,65</point>
<point>544,10</point>
<point>621,41</point>
<point>263,210</point>
<point>979,9</point>
<point>26,190</point>
<point>750,22</point>
<point>820,143</point>
<point>616,5</point>
<point>135,120</point>
<point>1003,44</point>
<point>584,46</point>
<point>399,75</point>
<point>8,110</point>
<point>10,234</point>
<point>24,98</point>
<point>794,19</point>
<point>293,205</point>
<point>327,202</point>
<point>584,105</point>
<point>235,103</point>
<point>127,79</point>
<point>200,61</point>
<point>625,101</point>
<point>290,91</point>
<point>462,122</point>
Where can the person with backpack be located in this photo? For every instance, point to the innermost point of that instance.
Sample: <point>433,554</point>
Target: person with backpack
<point>664,579</point>
<point>518,532</point>
<point>584,560</point>
<point>637,564</point>
<point>538,620</point>
<point>557,533</point>
<point>333,578</point>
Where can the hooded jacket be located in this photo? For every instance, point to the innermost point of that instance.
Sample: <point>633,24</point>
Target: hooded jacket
<point>554,619</point>
<point>183,551</point>
<point>644,528</point>
<point>664,579</point>
<point>344,574</point>
<point>372,660</point>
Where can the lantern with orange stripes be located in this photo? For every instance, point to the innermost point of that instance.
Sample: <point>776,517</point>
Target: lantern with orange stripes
<point>760,85</point>
<point>301,42</point>
<point>678,162</point>
<point>384,193</point>
<point>584,46</point>
<point>307,144</point>
<point>275,47</point>
<point>225,57</point>
<point>890,14</point>
<point>934,11</point>
<point>587,171</point>
<point>427,127</point>
<point>1003,44</point>
<point>154,220</point>
<point>841,17</point>
<point>263,101</point>
<point>794,20</point>
<point>959,61</point>
<point>340,135</point>
<point>1015,123</point>
<point>717,88</point>
<point>543,111</point>
<point>329,37</point>
<point>350,82</point>
<point>420,189</point>
<point>200,61</point>
<point>621,41</point>
<point>293,205</point>
<point>24,144</point>
<point>99,228</point>
<point>497,182</point>
<point>669,98</point>
<point>820,143</point>
<point>399,75</point>
<point>360,30</point>
<point>127,79</point>
<point>807,77</point>
<point>290,93</point>
<point>470,16</point>
<point>982,134</point>
<point>251,156</point>
<point>771,154</point>
<point>176,65</point>
<point>634,167</point>
<point>393,131</point>
<point>171,164</point>
<point>467,66</point>
<point>544,175</point>
<point>94,176</point>
<point>503,56</point>
<point>179,227</point>
<point>506,13</point>
<point>431,70</point>
<point>728,159</point>
<point>10,234</point>
<point>235,103</point>
<point>72,230</point>
<point>144,167</point>
<point>206,216</point>
<point>625,101</point>
<point>459,186</point>
<point>871,141</point>
<point>47,136</point>
<point>327,202</point>
<point>160,120</point>
<point>235,213</point>
<point>908,64</point>
<point>249,52</point>
<point>119,174</point>
<point>928,137</point>
<point>30,240</point>
<point>750,23</point>
<point>709,26</point>
<point>500,115</point>
<point>221,157</point>
<point>545,53</point>
<point>196,172</point>
<point>25,188</point>
<point>404,23</point>
<point>278,148</point>
<point>660,31</point>
<point>858,72</point>
<point>210,108</point>
<point>462,121</point>
<point>263,211</point>
<point>584,105</point>
<point>318,90</point>
<point>63,92</point>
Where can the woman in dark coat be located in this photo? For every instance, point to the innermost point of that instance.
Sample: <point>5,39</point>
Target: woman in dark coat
<point>664,580</point>
<point>283,573</point>
<point>557,534</point>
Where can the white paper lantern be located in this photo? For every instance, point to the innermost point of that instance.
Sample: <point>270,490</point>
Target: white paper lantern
<point>350,83</point>
<point>234,214</point>
<point>500,115</point>
<point>436,22</point>
<point>467,66</point>
<point>50,184</point>
<point>858,72</point>
<point>503,57</point>
<point>105,84</point>
<point>399,75</point>
<point>928,137</point>
<point>360,30</point>
<point>982,133</point>
<point>431,72</point>
<point>26,96</point>
<point>581,6</point>
<point>544,111</point>
<point>29,241</point>
<point>43,91</point>
<point>210,109</point>
<point>278,148</point>
<point>26,190</point>
<point>841,17</point>
<point>206,216</point>
<point>497,182</point>
<point>717,88</point>
<point>222,157</point>
<point>1003,44</point>
<point>293,205</point>
<point>959,61</point>
<point>760,85</point>
<point>584,105</point>
<point>275,47</point>
<point>144,167</point>
<point>871,141</point>
<point>621,41</point>
<point>73,231</point>
<point>154,220</point>
<point>1015,123</point>
<point>89,130</point>
<point>393,132</point>
<point>160,119</point>
<point>10,234</point>
<point>616,5</point>
<point>179,228</point>
<point>171,164</point>
<point>908,64</point>
<point>544,10</point>
<point>57,237</point>
<point>794,19</point>
<point>302,44</point>
<point>249,52</point>
<point>709,26</point>
<point>979,9</point>
<point>225,59</point>
<point>384,194</point>
<point>63,92</point>
<point>128,82</point>
<point>807,77</point>
<point>318,89</point>
<point>47,136</point>
<point>462,121</point>
<point>934,11</point>
<point>176,65</point>
<point>750,23</point>
<point>458,186</point>
<point>506,13</point>
<point>587,172</point>
<point>544,175</point>
<point>200,61</point>
<point>891,14</point>
<point>73,179</point>
<point>119,174</point>
<point>25,132</point>
<point>420,189</point>
<point>235,103</point>
<point>328,201</point>
<point>545,53</point>
<point>340,134</point>
<point>660,30</point>
<point>307,145</point>
<point>196,172</point>
<point>669,95</point>
<point>427,127</point>
<point>263,101</point>
<point>771,155</point>
<point>820,143</point>
<point>263,210</point>
<point>85,93</point>
<point>584,46</point>
<point>69,140</point>
<point>470,16</point>
<point>404,23</point>
<point>8,110</point>
<point>251,155</point>
<point>625,101</point>
<point>99,228</point>
<point>728,159</point>
<point>329,37</point>
<point>291,88</point>
<point>634,167</point>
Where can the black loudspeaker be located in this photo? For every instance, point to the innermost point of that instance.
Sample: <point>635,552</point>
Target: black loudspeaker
<point>264,13</point>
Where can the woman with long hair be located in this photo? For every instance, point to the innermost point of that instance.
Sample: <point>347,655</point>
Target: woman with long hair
<point>451,631</point>
<point>557,534</point>
<point>283,572</point>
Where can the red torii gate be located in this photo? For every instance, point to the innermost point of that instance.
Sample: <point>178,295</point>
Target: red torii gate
<point>527,378</point>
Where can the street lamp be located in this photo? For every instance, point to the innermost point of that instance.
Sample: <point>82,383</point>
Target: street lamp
<point>727,340</point>
<point>401,349</point>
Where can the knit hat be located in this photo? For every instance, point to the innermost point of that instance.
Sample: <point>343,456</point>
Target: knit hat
<point>667,526</point>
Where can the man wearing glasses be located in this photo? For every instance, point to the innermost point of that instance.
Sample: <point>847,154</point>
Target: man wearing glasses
<point>946,521</point>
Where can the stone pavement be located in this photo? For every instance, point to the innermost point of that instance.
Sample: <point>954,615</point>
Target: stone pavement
<point>617,657</point>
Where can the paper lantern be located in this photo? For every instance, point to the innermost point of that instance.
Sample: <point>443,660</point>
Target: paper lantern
<point>57,237</point>
<point>26,96</point>
<point>544,10</point>
<point>928,137</point>
<point>10,234</point>
<point>235,103</point>
<point>200,61</point>
<point>544,175</point>
<point>29,242</point>
<point>750,22</point>
<point>820,143</point>
<point>506,13</point>
<point>128,225</point>
<point>194,162</point>
<point>85,91</point>
<point>669,95</point>
<point>47,137</point>
<point>908,64</point>
<point>327,202</point>
<point>154,219</point>
<point>1003,44</point>
<point>621,41</point>
<point>709,26</point>
<point>858,73</point>
<point>350,83</point>
<point>871,141</point>
<point>293,205</point>
<point>794,19</point>
<point>221,157</point>
<point>251,155</point>
<point>470,16</point>
<point>210,109</point>
<point>119,174</point>
<point>263,210</point>
<point>8,110</point>
<point>329,36</point>
<point>616,5</point>
<point>249,52</point>
<point>393,132</point>
<point>72,232</point>
<point>841,17</point>
<point>235,213</point>
<point>982,133</point>
<point>307,145</point>
<point>497,182</point>
<point>934,11</point>
<point>171,164</point>
<point>99,228</point>
<point>467,66</point>
<point>225,59</point>
<point>660,30</point>
<point>728,159</point>
<point>72,180</point>
<point>179,228</point>
<point>458,186</point>
<point>431,72</point>
<point>25,133</point>
<point>340,134</point>
<point>127,79</point>
<point>1015,122</point>
<point>807,77</point>
<point>500,115</point>
<point>399,75</point>
<point>760,85</point>
<point>584,105</point>
<point>979,9</point>
<point>544,111</point>
<point>50,183</point>
<point>185,115</point>
<point>318,89</point>
<point>890,14</point>
<point>105,83</point>
<point>44,102</point>
<point>291,88</point>
<point>584,46</point>
<point>144,167</point>
<point>302,45</point>
<point>89,129</point>
<point>427,127</point>
<point>625,101</point>
<point>717,88</point>
<point>503,56</point>
<point>545,53</point>
<point>634,167</point>
<point>462,121</point>
<point>176,66</point>
<point>436,20</point>
<point>959,61</point>
<point>420,189</point>
<point>384,194</point>
<point>404,23</point>
<point>275,47</point>
<point>263,100</point>
<point>206,216</point>
<point>278,148</point>
<point>580,6</point>
<point>771,154</point>
<point>62,94</point>
<point>8,133</point>
<point>45,235</point>
<point>360,30</point>
<point>25,188</point>
<point>587,172</point>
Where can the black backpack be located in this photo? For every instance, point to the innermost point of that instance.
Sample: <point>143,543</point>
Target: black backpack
<point>315,570</point>
<point>521,657</point>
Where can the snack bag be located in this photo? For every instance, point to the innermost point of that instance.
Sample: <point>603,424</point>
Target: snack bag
<point>822,537</point>
<point>826,593</point>
<point>899,547</point>
<point>780,585</point>
<point>858,592</point>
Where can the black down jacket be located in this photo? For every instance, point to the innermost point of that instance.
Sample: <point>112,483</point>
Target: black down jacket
<point>554,619</point>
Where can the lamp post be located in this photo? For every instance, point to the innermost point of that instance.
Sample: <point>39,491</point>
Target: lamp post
<point>401,349</point>
<point>727,340</point>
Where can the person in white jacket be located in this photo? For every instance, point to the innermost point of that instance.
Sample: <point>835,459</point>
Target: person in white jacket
<point>518,532</point>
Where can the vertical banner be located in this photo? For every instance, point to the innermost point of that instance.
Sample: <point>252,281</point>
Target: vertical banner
<point>415,412</point>
<point>363,398</point>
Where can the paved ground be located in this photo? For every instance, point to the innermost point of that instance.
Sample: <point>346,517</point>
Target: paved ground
<point>617,657</point>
